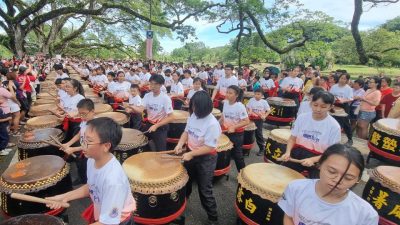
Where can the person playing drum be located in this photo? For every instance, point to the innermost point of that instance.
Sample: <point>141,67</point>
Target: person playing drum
<point>133,107</point>
<point>311,134</point>
<point>223,84</point>
<point>234,119</point>
<point>107,184</point>
<point>198,85</point>
<point>258,109</point>
<point>176,92</point>
<point>305,105</point>
<point>201,135</point>
<point>159,113</point>
<point>329,200</point>
<point>291,86</point>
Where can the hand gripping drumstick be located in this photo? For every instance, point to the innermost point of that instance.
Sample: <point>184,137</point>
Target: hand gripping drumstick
<point>59,144</point>
<point>36,199</point>
<point>171,157</point>
<point>166,152</point>
<point>291,160</point>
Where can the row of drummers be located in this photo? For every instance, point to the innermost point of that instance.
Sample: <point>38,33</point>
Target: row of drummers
<point>38,143</point>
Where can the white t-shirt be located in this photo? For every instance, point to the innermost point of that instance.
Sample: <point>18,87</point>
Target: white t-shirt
<point>157,107</point>
<point>132,77</point>
<point>82,130</point>
<point>168,81</point>
<point>187,83</point>
<point>218,74</point>
<point>99,79</point>
<point>110,192</point>
<point>62,76</point>
<point>259,106</point>
<point>205,131</point>
<point>192,92</point>
<point>360,93</point>
<point>203,75</point>
<point>233,114</point>
<point>176,88</point>
<point>242,83</point>
<point>135,101</point>
<point>345,92</point>
<point>305,107</point>
<point>223,84</point>
<point>301,202</point>
<point>145,77</point>
<point>123,87</point>
<point>316,135</point>
<point>267,83</point>
<point>70,103</point>
<point>294,82</point>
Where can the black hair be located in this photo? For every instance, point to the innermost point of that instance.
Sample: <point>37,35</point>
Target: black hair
<point>377,81</point>
<point>314,90</point>
<point>345,74</point>
<point>335,78</point>
<point>360,82</point>
<point>159,79</point>
<point>203,85</point>
<point>133,86</point>
<point>111,74</point>
<point>259,90</point>
<point>107,129</point>
<point>325,96</point>
<point>257,78</point>
<point>58,67</point>
<point>238,92</point>
<point>352,155</point>
<point>387,79</point>
<point>187,71</point>
<point>3,71</point>
<point>325,78</point>
<point>229,66</point>
<point>22,69</point>
<point>200,104</point>
<point>58,81</point>
<point>396,84</point>
<point>86,103</point>
<point>67,79</point>
<point>79,88</point>
<point>119,72</point>
<point>167,71</point>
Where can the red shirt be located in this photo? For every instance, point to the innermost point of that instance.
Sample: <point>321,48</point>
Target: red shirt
<point>386,91</point>
<point>388,101</point>
<point>27,87</point>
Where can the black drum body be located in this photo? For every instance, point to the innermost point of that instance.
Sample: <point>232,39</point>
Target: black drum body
<point>385,145</point>
<point>154,209</point>
<point>47,150</point>
<point>281,115</point>
<point>223,163</point>
<point>14,207</point>
<point>121,156</point>
<point>37,219</point>
<point>176,130</point>
<point>248,138</point>
<point>273,150</point>
<point>384,201</point>
<point>252,209</point>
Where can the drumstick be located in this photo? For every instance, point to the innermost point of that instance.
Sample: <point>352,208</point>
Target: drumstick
<point>166,152</point>
<point>291,160</point>
<point>50,143</point>
<point>59,144</point>
<point>171,157</point>
<point>36,199</point>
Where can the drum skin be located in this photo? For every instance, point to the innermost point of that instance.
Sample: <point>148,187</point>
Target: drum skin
<point>33,219</point>
<point>132,142</point>
<point>283,111</point>
<point>382,191</point>
<point>385,139</point>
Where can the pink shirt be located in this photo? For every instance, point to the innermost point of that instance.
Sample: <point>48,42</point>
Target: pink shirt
<point>4,96</point>
<point>372,96</point>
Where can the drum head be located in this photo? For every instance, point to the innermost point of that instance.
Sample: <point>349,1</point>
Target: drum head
<point>180,116</point>
<point>118,117</point>
<point>216,112</point>
<point>34,173</point>
<point>45,101</point>
<point>131,138</point>
<point>281,101</point>
<point>266,134</point>
<point>388,176</point>
<point>102,108</point>
<point>47,95</point>
<point>43,135</point>
<point>46,121</point>
<point>149,173</point>
<point>251,126</point>
<point>33,219</point>
<point>338,111</point>
<point>248,94</point>
<point>280,135</point>
<point>40,110</point>
<point>267,180</point>
<point>388,125</point>
<point>224,144</point>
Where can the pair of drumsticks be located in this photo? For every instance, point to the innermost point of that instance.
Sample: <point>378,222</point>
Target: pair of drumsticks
<point>30,198</point>
<point>165,156</point>
<point>56,144</point>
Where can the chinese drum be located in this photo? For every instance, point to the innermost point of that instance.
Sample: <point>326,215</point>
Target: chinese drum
<point>31,143</point>
<point>132,142</point>
<point>210,89</point>
<point>47,121</point>
<point>42,101</point>
<point>41,110</point>
<point>119,117</point>
<point>338,112</point>
<point>385,139</point>
<point>102,108</point>
<point>283,111</point>
<point>260,187</point>
<point>33,219</point>
<point>247,95</point>
<point>39,176</point>
<point>47,95</point>
<point>249,137</point>
<point>224,147</point>
<point>158,186</point>
<point>382,191</point>
<point>275,145</point>
<point>217,113</point>
<point>177,126</point>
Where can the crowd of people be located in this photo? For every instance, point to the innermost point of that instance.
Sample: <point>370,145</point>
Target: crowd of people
<point>158,88</point>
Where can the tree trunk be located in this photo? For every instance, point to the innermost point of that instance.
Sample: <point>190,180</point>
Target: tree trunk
<point>358,10</point>
<point>19,41</point>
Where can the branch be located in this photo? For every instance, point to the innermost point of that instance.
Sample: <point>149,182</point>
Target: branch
<point>6,17</point>
<point>268,43</point>
<point>73,34</point>
<point>10,8</point>
<point>390,49</point>
<point>381,1</point>
<point>30,10</point>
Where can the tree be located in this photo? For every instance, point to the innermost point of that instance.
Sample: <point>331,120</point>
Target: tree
<point>392,25</point>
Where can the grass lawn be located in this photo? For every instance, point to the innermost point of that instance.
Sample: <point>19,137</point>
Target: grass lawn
<point>356,70</point>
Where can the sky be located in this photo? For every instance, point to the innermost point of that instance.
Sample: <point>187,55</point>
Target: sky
<point>339,9</point>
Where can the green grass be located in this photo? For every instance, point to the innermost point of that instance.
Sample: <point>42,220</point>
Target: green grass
<point>356,70</point>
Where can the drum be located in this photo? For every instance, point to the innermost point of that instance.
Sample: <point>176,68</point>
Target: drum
<point>249,137</point>
<point>177,126</point>
<point>33,219</point>
<point>224,146</point>
<point>338,112</point>
<point>247,95</point>
<point>283,111</point>
<point>39,176</point>
<point>119,117</point>
<point>217,113</point>
<point>210,89</point>
<point>385,139</point>
<point>260,187</point>
<point>102,108</point>
<point>41,110</point>
<point>132,142</point>
<point>30,144</point>
<point>158,186</point>
<point>95,99</point>
<point>382,191</point>
<point>275,145</point>
<point>47,121</point>
<point>47,95</point>
<point>45,101</point>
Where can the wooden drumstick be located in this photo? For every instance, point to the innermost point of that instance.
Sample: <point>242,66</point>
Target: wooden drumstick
<point>50,143</point>
<point>291,160</point>
<point>59,144</point>
<point>36,199</point>
<point>171,157</point>
<point>166,152</point>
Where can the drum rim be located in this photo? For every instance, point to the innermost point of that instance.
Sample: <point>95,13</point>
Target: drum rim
<point>376,176</point>
<point>272,100</point>
<point>128,146</point>
<point>54,218</point>
<point>224,147</point>
<point>122,122</point>
<point>271,195</point>
<point>279,138</point>
<point>37,185</point>
<point>107,108</point>
<point>55,123</point>
<point>39,144</point>
<point>181,119</point>
<point>388,130</point>
<point>250,127</point>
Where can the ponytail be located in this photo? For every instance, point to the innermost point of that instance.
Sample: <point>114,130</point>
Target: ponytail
<point>238,91</point>
<point>79,88</point>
